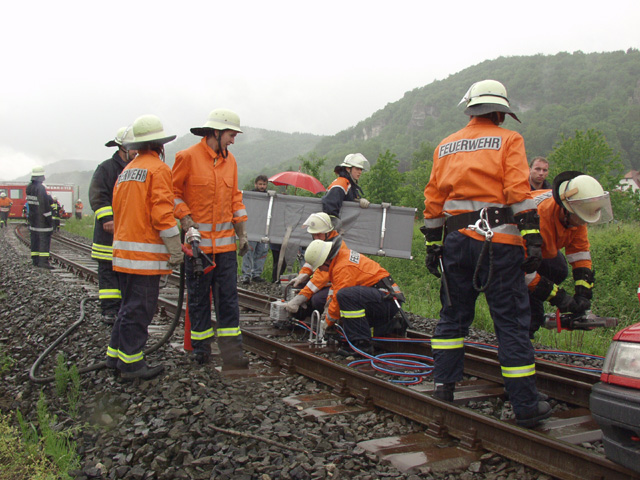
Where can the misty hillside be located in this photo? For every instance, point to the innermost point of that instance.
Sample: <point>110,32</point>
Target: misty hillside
<point>551,94</point>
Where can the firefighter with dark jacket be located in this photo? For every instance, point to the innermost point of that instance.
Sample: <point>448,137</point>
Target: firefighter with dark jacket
<point>346,187</point>
<point>40,219</point>
<point>479,214</point>
<point>146,245</point>
<point>101,201</point>
<point>363,298</point>
<point>574,201</point>
<point>207,199</point>
<point>55,213</point>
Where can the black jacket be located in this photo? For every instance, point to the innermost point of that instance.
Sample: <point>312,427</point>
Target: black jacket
<point>101,200</point>
<point>40,218</point>
<point>333,199</point>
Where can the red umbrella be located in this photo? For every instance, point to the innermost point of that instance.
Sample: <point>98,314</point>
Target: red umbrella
<point>298,180</point>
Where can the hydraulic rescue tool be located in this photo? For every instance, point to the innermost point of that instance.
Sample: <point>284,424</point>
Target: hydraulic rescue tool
<point>193,238</point>
<point>577,321</point>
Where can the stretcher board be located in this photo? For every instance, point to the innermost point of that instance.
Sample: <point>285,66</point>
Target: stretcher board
<point>384,230</point>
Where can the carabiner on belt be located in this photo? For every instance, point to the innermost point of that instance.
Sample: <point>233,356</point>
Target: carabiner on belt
<point>482,226</point>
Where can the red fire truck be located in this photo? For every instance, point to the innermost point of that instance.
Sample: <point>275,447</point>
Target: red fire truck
<point>17,193</point>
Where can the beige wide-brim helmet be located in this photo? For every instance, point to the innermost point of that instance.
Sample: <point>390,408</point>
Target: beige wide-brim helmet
<point>485,97</point>
<point>583,196</point>
<point>219,119</point>
<point>147,131</point>
<point>122,135</point>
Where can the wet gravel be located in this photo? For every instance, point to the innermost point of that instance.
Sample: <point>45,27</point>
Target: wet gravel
<point>191,422</point>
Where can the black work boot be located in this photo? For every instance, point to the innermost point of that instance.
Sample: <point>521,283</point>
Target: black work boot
<point>444,391</point>
<point>362,345</point>
<point>144,373</point>
<point>530,420</point>
<point>233,357</point>
<point>202,352</point>
<point>45,264</point>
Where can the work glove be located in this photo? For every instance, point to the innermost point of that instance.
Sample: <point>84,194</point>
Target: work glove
<point>176,256</point>
<point>582,304</point>
<point>301,279</point>
<point>563,301</point>
<point>529,225</point>
<point>187,222</point>
<point>434,253</point>
<point>364,203</point>
<point>243,241</point>
<point>293,305</point>
<point>433,240</point>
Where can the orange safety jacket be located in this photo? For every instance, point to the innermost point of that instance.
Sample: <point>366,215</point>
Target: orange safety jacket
<point>481,165</point>
<point>79,206</point>
<point>555,236</point>
<point>143,215</point>
<point>206,187</point>
<point>349,269</point>
<point>320,279</point>
<point>5,204</point>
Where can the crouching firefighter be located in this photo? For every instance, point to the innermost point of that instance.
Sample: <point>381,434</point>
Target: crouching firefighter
<point>574,201</point>
<point>479,201</point>
<point>364,299</point>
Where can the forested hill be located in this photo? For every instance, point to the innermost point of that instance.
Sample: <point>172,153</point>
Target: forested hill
<point>552,95</point>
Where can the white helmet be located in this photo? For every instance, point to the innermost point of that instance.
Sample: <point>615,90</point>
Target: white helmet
<point>584,196</point>
<point>54,197</point>
<point>124,134</point>
<point>317,253</point>
<point>318,223</point>
<point>356,160</point>
<point>79,201</point>
<point>219,119</point>
<point>38,171</point>
<point>485,97</point>
<point>147,131</point>
<point>2,194</point>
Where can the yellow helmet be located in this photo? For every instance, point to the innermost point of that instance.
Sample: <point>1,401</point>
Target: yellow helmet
<point>317,253</point>
<point>38,171</point>
<point>318,223</point>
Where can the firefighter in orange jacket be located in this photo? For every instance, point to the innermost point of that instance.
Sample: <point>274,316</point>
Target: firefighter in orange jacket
<point>207,197</point>
<point>574,201</point>
<point>78,208</point>
<point>362,292</point>
<point>480,178</point>
<point>146,245</point>
<point>316,289</point>
<point>5,209</point>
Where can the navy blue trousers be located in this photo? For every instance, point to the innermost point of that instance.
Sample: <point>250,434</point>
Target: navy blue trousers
<point>556,270</point>
<point>131,330</point>
<point>378,312</point>
<point>219,284</point>
<point>508,301</point>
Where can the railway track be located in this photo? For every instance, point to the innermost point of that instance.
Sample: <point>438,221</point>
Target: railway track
<point>553,448</point>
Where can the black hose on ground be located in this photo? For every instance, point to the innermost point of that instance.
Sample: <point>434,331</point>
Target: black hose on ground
<point>100,365</point>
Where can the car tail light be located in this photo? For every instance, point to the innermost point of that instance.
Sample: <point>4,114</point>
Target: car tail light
<point>622,364</point>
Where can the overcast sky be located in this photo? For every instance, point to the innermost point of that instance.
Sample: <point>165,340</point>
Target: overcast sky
<point>73,72</point>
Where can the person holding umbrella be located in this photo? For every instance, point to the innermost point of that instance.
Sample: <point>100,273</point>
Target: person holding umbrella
<point>346,187</point>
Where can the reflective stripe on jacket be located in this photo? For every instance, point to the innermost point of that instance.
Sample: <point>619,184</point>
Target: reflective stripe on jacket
<point>206,187</point>
<point>349,269</point>
<point>481,165</point>
<point>143,214</point>
<point>5,204</point>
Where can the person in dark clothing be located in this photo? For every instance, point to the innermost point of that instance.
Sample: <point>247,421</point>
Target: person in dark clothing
<point>346,187</point>
<point>55,209</point>
<point>253,260</point>
<point>101,200</point>
<point>40,219</point>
